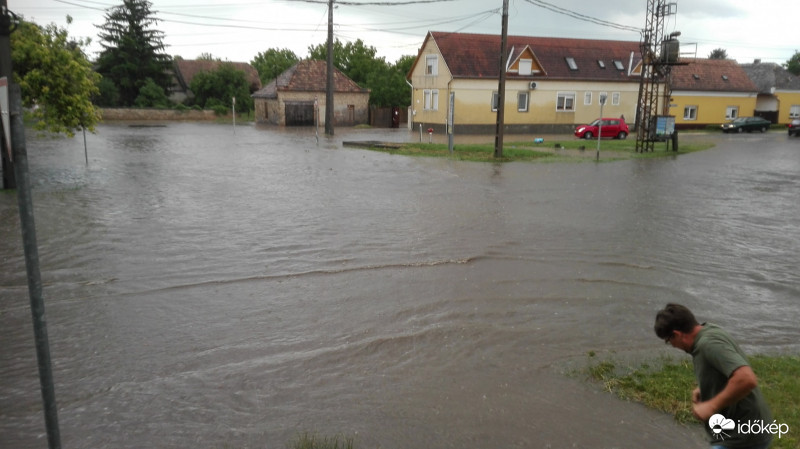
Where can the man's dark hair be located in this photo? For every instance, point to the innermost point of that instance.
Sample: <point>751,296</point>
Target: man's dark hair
<point>674,317</point>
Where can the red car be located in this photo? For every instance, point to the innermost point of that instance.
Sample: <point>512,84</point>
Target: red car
<point>612,127</point>
<point>794,128</point>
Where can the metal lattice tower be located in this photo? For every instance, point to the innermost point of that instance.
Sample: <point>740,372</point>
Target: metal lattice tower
<point>655,71</point>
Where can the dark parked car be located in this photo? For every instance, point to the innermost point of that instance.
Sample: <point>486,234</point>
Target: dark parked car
<point>794,127</point>
<point>748,124</point>
<point>612,127</point>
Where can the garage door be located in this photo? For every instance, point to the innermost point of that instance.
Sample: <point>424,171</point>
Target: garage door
<point>300,113</point>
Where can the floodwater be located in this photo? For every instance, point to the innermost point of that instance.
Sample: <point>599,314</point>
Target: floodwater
<point>212,289</point>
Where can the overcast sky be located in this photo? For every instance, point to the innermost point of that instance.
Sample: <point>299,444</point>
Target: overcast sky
<point>237,30</point>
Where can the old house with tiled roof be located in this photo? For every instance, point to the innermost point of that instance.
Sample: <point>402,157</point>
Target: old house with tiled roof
<point>297,97</point>
<point>552,84</point>
<point>186,69</point>
<point>778,91</point>
<point>709,92</point>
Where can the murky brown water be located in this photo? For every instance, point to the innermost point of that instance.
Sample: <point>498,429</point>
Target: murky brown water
<point>212,290</point>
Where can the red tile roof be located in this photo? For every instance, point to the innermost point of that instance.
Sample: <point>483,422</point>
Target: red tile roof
<point>477,56</point>
<point>715,75</point>
<point>308,76</point>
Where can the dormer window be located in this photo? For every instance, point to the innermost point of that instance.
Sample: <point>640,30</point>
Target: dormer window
<point>696,76</point>
<point>619,65</point>
<point>601,64</point>
<point>571,63</point>
<point>725,77</point>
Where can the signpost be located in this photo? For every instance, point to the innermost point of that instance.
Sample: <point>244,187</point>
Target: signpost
<point>603,98</point>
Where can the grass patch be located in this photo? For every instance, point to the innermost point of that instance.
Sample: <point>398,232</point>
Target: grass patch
<point>668,388</point>
<point>312,441</point>
<point>567,150</point>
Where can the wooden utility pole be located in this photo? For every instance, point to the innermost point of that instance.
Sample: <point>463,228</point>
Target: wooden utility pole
<point>329,82</point>
<point>501,89</point>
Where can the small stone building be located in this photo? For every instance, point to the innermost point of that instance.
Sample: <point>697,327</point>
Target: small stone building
<point>297,98</point>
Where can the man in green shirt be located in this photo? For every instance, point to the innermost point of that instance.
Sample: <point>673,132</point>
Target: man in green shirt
<point>727,399</point>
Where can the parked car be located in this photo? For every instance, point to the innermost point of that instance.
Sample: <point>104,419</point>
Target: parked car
<point>612,127</point>
<point>794,127</point>
<point>748,124</point>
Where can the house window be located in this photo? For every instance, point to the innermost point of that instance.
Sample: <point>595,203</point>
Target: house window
<point>619,65</point>
<point>495,101</point>
<point>565,102</point>
<point>571,63</point>
<point>432,65</point>
<point>603,98</point>
<point>794,111</point>
<point>690,113</point>
<point>615,98</point>
<point>587,98</point>
<point>431,99</point>
<point>525,66</point>
<point>522,102</point>
<point>601,64</point>
<point>731,112</point>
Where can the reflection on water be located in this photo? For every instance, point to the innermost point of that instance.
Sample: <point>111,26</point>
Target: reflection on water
<point>212,289</point>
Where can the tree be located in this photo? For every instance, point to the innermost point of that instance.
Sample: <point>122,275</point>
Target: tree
<point>151,95</point>
<point>718,53</point>
<point>220,86</point>
<point>354,59</point>
<point>132,50</point>
<point>273,62</point>
<point>793,64</point>
<point>388,84</point>
<point>56,78</point>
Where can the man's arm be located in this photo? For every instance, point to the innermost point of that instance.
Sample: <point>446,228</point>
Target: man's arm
<point>740,384</point>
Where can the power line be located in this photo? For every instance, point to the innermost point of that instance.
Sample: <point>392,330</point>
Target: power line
<point>583,17</point>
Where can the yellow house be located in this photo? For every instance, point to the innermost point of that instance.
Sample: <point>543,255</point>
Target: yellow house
<point>778,91</point>
<point>710,92</point>
<point>553,84</point>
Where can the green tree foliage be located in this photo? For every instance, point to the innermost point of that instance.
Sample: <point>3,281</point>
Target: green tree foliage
<point>220,86</point>
<point>56,78</point>
<point>793,64</point>
<point>358,61</point>
<point>388,84</point>
<point>718,53</point>
<point>354,59</point>
<point>151,95</point>
<point>272,63</point>
<point>133,50</point>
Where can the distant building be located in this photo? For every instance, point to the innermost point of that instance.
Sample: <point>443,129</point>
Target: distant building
<point>290,99</point>
<point>710,92</point>
<point>778,91</point>
<point>186,69</point>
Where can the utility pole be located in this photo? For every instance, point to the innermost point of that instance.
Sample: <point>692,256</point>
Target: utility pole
<point>8,180</point>
<point>329,82</point>
<point>30,247</point>
<point>501,89</point>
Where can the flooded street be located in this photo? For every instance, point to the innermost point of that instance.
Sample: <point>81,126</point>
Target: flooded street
<point>212,289</point>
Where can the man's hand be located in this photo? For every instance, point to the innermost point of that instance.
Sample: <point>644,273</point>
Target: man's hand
<point>703,411</point>
<point>740,384</point>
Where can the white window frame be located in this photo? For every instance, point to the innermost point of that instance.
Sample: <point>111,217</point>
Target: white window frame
<point>587,99</point>
<point>522,106</point>
<point>794,111</point>
<point>690,112</point>
<point>495,100</point>
<point>565,99</point>
<point>615,98</point>
<point>431,65</point>
<point>430,100</point>
<point>619,65</point>
<point>525,66</point>
<point>731,112</point>
<point>602,98</point>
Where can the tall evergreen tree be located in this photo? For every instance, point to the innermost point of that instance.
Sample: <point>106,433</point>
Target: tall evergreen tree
<point>133,50</point>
